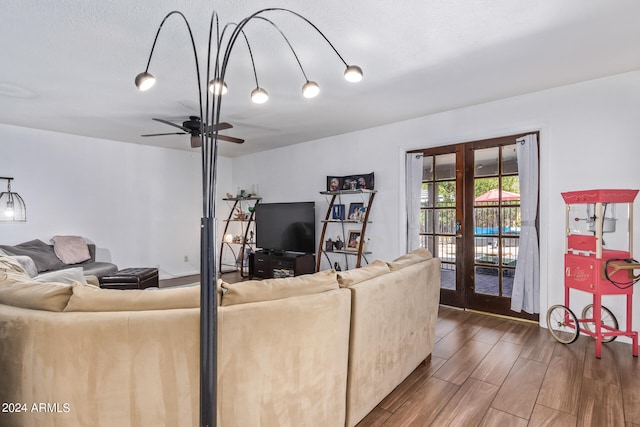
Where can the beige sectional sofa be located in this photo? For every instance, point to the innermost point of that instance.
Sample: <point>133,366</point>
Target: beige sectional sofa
<point>315,350</point>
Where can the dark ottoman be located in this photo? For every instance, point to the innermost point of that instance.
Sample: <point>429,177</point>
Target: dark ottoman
<point>131,278</point>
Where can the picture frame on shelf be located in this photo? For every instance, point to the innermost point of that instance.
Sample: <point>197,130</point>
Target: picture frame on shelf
<point>353,240</point>
<point>334,183</point>
<point>351,182</point>
<point>355,210</point>
<point>338,212</point>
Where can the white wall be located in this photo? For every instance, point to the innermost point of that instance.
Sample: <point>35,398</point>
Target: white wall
<point>589,138</point>
<point>140,205</point>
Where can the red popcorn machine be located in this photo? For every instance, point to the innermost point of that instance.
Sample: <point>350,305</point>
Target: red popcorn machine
<point>598,260</point>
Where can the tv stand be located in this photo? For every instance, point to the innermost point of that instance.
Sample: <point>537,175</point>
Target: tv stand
<point>271,264</point>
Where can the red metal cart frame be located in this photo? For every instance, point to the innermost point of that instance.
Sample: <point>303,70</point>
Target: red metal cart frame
<point>591,268</point>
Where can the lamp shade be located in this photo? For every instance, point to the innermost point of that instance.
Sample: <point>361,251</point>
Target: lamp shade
<point>12,207</point>
<point>310,89</point>
<point>145,81</point>
<point>217,87</point>
<point>353,73</point>
<point>259,95</point>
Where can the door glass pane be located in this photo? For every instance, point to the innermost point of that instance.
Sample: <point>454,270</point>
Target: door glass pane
<point>510,190</point>
<point>507,282</point>
<point>427,242</point>
<point>445,248</point>
<point>509,159</point>
<point>426,197</point>
<point>486,221</point>
<point>446,193</point>
<point>511,220</point>
<point>510,251</point>
<point>427,168</point>
<point>487,281</point>
<point>448,276</point>
<point>446,221</point>
<point>426,221</point>
<point>486,250</point>
<point>486,191</point>
<point>486,161</point>
<point>445,166</point>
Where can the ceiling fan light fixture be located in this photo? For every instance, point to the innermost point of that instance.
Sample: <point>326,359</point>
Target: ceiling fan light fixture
<point>310,89</point>
<point>259,96</point>
<point>145,81</point>
<point>217,87</point>
<point>353,73</point>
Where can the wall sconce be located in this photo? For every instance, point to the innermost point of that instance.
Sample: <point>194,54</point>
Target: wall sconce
<point>12,207</point>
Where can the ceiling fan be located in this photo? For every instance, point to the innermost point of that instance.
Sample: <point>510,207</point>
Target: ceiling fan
<point>192,127</point>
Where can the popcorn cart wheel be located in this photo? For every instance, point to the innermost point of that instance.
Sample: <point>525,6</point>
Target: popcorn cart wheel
<point>564,326</point>
<point>593,266</point>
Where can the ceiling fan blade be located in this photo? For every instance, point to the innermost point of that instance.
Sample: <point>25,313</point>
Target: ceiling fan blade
<point>161,134</point>
<point>196,142</point>
<point>230,139</point>
<point>221,126</point>
<point>166,122</point>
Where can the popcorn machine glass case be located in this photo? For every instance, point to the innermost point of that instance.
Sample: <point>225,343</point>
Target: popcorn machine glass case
<point>598,260</point>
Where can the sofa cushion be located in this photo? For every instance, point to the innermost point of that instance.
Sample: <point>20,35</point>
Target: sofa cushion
<point>98,268</point>
<point>273,289</point>
<point>89,298</point>
<point>10,264</point>
<point>42,254</point>
<point>28,264</point>
<point>68,276</point>
<point>71,249</point>
<point>351,277</point>
<point>413,257</point>
<point>25,261</point>
<point>19,290</point>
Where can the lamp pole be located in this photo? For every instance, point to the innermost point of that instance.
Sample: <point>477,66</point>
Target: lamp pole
<point>210,106</point>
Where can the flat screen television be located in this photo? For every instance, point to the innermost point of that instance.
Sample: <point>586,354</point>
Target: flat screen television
<point>286,227</point>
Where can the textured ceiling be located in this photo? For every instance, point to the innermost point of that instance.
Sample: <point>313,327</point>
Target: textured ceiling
<point>69,65</point>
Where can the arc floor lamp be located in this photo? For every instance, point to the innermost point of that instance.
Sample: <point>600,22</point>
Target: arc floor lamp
<point>219,49</point>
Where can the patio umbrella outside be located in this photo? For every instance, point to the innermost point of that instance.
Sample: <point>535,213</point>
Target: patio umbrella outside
<point>494,196</point>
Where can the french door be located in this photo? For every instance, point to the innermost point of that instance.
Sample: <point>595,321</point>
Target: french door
<point>470,219</point>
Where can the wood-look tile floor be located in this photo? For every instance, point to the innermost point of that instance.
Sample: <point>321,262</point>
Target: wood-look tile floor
<point>491,371</point>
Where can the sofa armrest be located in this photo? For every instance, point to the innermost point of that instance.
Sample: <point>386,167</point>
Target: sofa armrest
<point>92,252</point>
<point>284,362</point>
<point>92,280</point>
<point>393,319</point>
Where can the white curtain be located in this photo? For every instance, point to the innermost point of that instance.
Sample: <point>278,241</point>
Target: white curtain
<point>414,189</point>
<point>526,283</point>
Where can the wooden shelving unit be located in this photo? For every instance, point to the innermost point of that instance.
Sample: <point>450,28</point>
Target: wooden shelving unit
<point>245,225</point>
<point>336,197</point>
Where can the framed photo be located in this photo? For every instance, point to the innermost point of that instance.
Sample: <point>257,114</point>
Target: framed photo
<point>351,182</point>
<point>358,182</point>
<point>353,240</point>
<point>338,212</point>
<point>334,183</point>
<point>354,211</point>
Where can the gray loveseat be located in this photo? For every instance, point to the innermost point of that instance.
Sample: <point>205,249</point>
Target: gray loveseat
<point>44,259</point>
